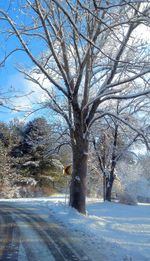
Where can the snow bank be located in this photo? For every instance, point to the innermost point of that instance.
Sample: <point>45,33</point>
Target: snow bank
<point>117,232</point>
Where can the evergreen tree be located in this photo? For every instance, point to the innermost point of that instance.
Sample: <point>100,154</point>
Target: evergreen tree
<point>36,138</point>
<point>30,152</point>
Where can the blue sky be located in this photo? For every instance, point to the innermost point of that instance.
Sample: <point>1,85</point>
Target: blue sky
<point>8,70</point>
<point>11,81</point>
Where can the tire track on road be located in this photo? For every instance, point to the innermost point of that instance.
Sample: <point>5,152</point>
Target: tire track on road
<point>10,231</point>
<point>59,244</point>
<point>21,215</point>
<point>57,235</point>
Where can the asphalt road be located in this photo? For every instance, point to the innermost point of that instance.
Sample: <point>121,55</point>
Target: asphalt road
<point>32,233</point>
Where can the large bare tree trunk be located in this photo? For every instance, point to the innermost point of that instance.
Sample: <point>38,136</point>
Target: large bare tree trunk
<point>109,185</point>
<point>79,173</point>
<point>110,179</point>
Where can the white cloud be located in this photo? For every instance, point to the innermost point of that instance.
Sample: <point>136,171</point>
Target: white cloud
<point>25,94</point>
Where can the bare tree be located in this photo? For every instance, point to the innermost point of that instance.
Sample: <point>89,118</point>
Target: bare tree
<point>118,133</point>
<point>88,53</point>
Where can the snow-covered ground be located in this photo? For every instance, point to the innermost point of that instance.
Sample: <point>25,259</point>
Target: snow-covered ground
<point>109,231</point>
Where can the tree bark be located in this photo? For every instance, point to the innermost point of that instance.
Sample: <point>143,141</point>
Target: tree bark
<point>109,185</point>
<point>104,187</point>
<point>79,173</point>
<point>111,177</point>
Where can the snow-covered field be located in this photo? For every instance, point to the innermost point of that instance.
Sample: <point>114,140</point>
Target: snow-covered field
<point>109,232</point>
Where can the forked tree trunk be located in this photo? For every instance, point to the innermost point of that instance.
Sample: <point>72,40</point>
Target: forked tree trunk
<point>104,187</point>
<point>110,179</point>
<point>79,173</point>
<point>109,185</point>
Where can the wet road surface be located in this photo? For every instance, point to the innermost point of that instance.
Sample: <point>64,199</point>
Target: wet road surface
<point>32,233</point>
